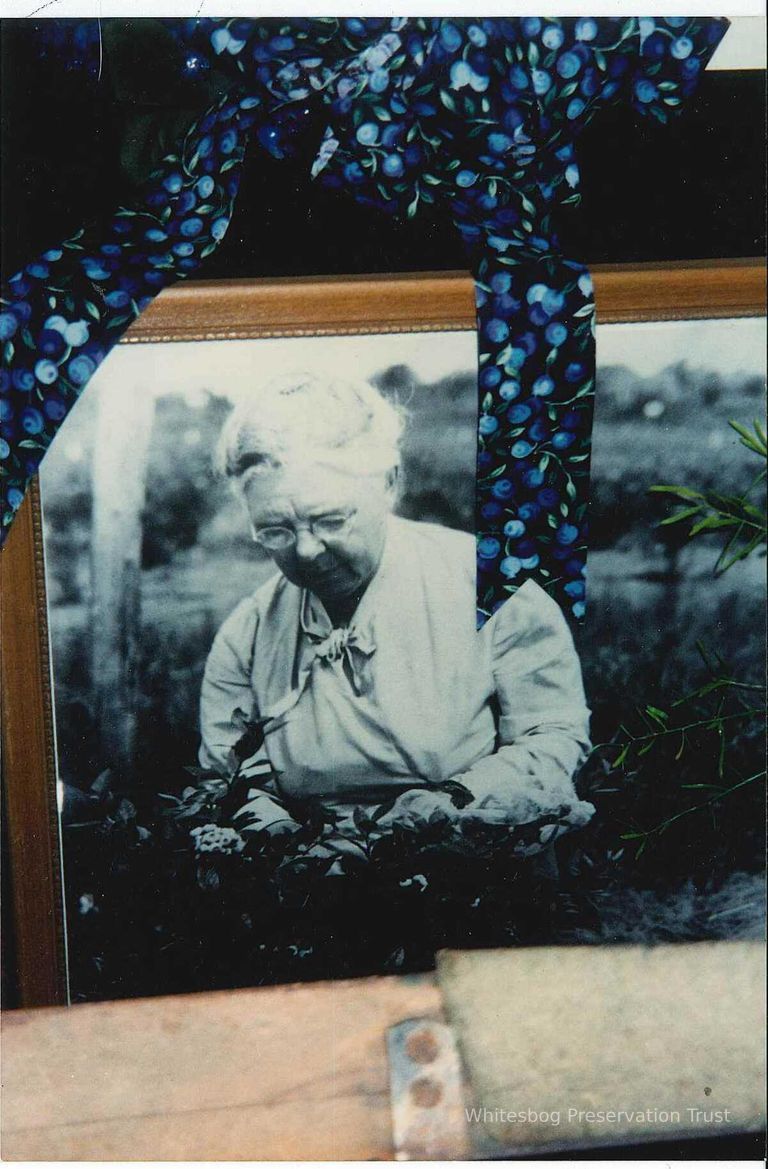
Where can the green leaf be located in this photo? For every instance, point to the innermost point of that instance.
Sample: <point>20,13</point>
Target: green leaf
<point>711,523</point>
<point>124,319</point>
<point>753,512</point>
<point>742,554</point>
<point>724,503</point>
<point>682,492</point>
<point>685,514</point>
<point>756,442</point>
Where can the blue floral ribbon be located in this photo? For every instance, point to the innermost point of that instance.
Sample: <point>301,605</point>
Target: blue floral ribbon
<point>479,115</point>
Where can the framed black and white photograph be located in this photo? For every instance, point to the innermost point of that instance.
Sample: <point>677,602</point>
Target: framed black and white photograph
<point>283,753</point>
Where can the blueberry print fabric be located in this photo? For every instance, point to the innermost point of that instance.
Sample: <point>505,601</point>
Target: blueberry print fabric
<point>481,116</point>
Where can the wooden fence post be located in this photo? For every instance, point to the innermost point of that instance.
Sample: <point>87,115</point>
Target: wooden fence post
<point>123,431</point>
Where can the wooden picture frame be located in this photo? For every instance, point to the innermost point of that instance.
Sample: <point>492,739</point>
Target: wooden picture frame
<point>219,311</point>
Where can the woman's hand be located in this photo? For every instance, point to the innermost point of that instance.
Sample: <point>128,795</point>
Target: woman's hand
<point>419,805</point>
<point>416,807</point>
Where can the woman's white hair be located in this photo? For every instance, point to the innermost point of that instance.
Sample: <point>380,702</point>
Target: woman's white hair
<point>300,417</point>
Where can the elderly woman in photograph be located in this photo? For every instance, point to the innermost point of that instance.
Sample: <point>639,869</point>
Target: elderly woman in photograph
<point>362,647</point>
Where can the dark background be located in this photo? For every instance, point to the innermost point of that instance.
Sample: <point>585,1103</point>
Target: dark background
<point>72,145</point>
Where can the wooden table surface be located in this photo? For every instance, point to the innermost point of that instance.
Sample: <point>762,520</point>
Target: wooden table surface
<point>276,1073</point>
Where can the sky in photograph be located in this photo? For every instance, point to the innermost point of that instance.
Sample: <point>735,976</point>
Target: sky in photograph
<point>233,368</point>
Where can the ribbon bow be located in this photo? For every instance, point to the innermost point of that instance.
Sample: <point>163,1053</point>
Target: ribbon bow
<point>340,645</point>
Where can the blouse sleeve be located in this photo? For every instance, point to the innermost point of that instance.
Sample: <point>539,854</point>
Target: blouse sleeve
<point>227,686</point>
<point>543,729</point>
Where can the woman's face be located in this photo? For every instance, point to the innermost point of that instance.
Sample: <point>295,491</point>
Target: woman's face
<point>336,523</point>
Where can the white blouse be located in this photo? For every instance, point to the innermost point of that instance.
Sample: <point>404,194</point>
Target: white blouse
<point>409,694</point>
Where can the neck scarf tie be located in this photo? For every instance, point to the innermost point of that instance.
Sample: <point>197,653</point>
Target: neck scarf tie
<point>348,646</point>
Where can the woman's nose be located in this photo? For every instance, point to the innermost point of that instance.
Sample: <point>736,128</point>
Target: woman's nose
<point>308,547</point>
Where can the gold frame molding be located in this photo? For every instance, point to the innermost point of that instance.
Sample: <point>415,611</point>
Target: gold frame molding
<point>221,310</point>
<point>430,301</point>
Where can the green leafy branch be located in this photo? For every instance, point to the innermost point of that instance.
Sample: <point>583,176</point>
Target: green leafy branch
<point>657,725</point>
<point>645,836</point>
<point>710,511</point>
<point>721,705</point>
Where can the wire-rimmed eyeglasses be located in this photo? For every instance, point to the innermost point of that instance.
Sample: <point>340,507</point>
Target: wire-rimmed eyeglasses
<point>278,538</point>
